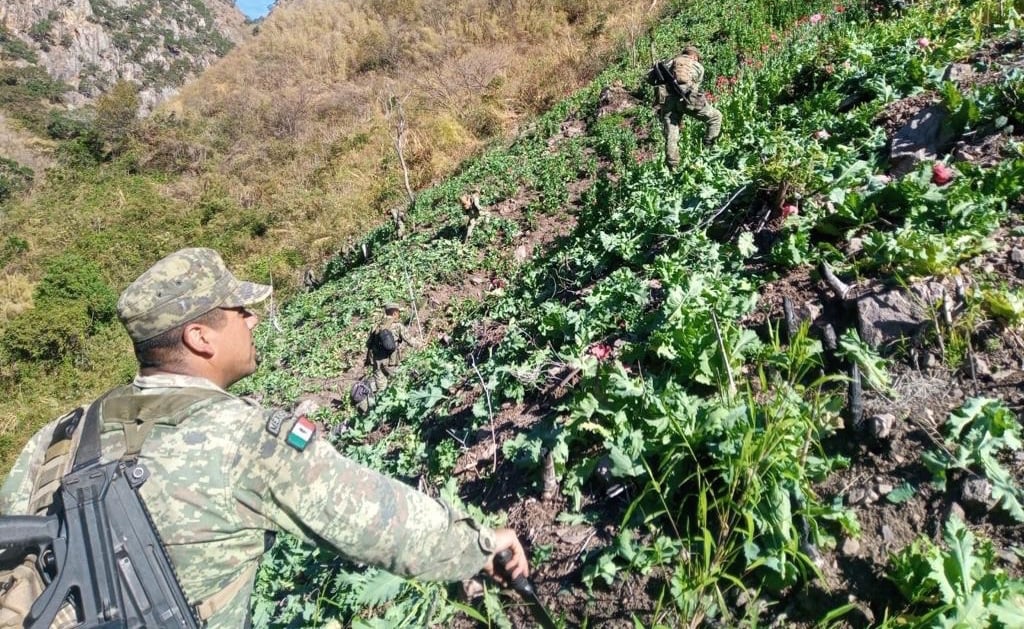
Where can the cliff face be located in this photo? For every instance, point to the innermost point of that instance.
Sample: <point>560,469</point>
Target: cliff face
<point>91,44</point>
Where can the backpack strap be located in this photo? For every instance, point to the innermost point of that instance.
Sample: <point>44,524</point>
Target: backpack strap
<point>139,414</point>
<point>56,462</point>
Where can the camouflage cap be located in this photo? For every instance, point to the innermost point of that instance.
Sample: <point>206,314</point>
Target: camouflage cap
<point>179,288</point>
<point>392,305</point>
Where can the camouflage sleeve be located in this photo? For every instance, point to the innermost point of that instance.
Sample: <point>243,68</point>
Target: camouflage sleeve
<point>17,487</point>
<point>698,74</point>
<point>406,337</point>
<point>324,497</point>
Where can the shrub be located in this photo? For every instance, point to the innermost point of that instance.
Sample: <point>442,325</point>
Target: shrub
<point>71,278</point>
<point>13,179</point>
<point>47,333</point>
<point>117,115</point>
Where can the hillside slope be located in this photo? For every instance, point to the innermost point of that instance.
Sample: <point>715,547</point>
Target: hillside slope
<point>781,387</point>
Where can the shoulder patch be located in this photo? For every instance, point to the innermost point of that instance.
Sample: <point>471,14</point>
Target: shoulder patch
<point>276,420</point>
<point>302,433</point>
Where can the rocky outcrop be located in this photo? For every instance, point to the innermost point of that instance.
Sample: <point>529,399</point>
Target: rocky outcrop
<point>91,44</point>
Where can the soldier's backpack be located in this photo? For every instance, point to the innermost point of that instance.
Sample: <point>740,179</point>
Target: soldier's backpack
<point>660,74</point>
<point>361,391</point>
<point>95,559</point>
<point>384,343</point>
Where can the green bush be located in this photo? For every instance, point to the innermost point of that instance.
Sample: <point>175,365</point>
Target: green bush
<point>50,332</point>
<point>71,278</point>
<point>13,178</point>
<point>67,125</point>
<point>13,48</point>
<point>117,115</point>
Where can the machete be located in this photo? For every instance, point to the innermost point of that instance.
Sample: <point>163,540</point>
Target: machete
<point>525,589</point>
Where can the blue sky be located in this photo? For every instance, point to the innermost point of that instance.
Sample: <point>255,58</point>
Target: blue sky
<point>254,8</point>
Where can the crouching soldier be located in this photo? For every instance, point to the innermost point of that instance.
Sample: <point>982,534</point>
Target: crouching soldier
<point>678,94</point>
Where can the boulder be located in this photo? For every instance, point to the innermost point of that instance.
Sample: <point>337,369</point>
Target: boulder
<point>893,314</point>
<point>923,138</point>
<point>615,99</point>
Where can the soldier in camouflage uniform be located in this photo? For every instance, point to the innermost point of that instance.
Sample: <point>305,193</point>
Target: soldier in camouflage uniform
<point>225,472</point>
<point>689,73</point>
<point>381,362</point>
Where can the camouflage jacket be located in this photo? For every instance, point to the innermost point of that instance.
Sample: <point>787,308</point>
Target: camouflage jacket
<point>224,474</point>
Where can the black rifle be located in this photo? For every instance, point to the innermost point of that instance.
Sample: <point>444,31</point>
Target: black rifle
<point>663,76</point>
<point>99,552</point>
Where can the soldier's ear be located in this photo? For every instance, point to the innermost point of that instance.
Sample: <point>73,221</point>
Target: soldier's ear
<point>195,337</point>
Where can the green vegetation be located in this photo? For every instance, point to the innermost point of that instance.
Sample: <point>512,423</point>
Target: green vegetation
<point>718,429</point>
<point>626,333</point>
<point>961,585</point>
<point>13,48</point>
<point>14,178</point>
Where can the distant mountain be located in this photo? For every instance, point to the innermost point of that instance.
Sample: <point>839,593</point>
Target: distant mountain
<point>91,44</point>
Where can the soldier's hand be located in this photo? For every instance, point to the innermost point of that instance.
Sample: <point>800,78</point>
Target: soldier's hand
<point>516,566</point>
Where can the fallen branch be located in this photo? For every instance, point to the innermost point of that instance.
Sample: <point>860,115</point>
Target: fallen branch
<point>490,412</point>
<point>841,289</point>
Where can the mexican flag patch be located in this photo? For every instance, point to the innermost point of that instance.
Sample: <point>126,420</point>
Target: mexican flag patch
<point>301,434</point>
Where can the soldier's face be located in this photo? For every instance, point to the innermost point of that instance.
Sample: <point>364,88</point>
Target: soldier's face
<point>236,353</point>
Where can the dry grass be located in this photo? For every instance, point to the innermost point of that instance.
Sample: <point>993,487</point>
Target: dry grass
<point>292,123</point>
<point>15,295</point>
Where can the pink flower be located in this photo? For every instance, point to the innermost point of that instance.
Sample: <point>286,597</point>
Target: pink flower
<point>600,351</point>
<point>840,8</point>
<point>924,43</point>
<point>789,210</point>
<point>816,18</point>
<point>941,174</point>
<point>773,37</point>
<point>821,134</point>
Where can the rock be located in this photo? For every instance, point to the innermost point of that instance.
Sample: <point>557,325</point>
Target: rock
<point>1008,557</point>
<point>887,534</point>
<point>894,314</point>
<point>1017,255</point>
<point>929,360</point>
<point>87,43</point>
<point>615,99</point>
<point>850,547</point>
<point>981,367</point>
<point>880,426</point>
<point>856,496</point>
<point>958,73</point>
<point>976,494</point>
<point>855,246</point>
<point>884,489</point>
<point>923,138</point>
<point>307,407</point>
<point>956,511</point>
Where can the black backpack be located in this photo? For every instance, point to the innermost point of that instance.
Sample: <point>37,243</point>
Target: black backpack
<point>384,343</point>
<point>360,391</point>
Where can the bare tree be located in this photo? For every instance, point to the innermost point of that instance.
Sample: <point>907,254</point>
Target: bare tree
<point>395,112</point>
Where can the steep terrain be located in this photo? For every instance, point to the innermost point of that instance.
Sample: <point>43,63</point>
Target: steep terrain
<point>89,45</point>
<point>781,387</point>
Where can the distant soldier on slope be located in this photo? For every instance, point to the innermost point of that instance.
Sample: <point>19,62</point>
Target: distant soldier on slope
<point>473,212</point>
<point>678,93</point>
<point>384,347</point>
